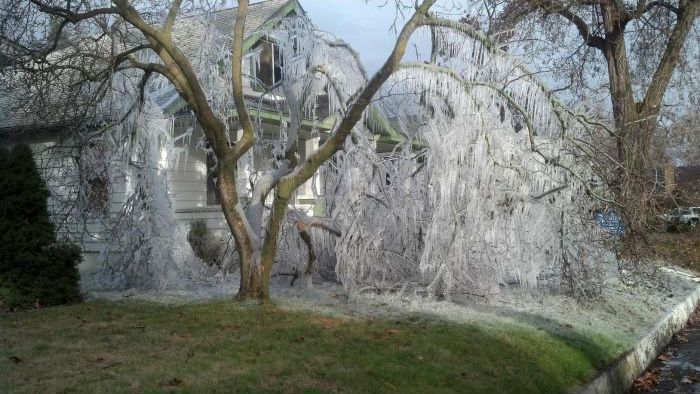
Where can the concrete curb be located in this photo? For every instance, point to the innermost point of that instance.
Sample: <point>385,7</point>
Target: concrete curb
<point>619,376</point>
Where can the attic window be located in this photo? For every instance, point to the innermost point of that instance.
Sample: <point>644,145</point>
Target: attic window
<point>269,69</point>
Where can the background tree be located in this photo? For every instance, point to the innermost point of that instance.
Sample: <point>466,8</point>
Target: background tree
<point>634,57</point>
<point>679,142</point>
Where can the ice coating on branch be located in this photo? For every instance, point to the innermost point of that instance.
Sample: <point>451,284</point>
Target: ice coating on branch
<point>138,234</point>
<point>485,190</point>
<point>145,247</point>
<point>109,192</point>
<point>480,187</point>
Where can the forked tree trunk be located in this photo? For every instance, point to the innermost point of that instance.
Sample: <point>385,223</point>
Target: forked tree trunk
<point>249,251</point>
<point>272,232</point>
<point>256,257</point>
<point>633,131</point>
<point>257,252</point>
<point>252,285</point>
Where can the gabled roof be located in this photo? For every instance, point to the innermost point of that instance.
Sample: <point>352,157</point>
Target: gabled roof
<point>188,32</point>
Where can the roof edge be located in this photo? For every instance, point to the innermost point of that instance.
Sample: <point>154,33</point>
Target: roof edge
<point>285,10</point>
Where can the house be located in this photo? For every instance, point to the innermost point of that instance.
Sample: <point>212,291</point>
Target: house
<point>191,182</point>
<point>191,185</point>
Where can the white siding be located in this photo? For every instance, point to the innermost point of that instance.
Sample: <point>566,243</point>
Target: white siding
<point>187,185</point>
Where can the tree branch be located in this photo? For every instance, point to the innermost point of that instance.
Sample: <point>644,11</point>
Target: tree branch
<point>67,16</point>
<point>643,7</point>
<point>150,67</point>
<point>248,137</point>
<point>170,19</point>
<point>517,10</point>
<point>308,222</point>
<point>121,57</point>
<point>591,40</point>
<point>71,16</point>
<point>669,61</point>
<point>355,111</point>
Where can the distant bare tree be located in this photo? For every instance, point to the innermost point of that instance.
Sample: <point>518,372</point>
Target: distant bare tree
<point>630,54</point>
<point>680,140</point>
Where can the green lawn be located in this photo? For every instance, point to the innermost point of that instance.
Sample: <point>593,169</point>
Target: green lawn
<point>228,347</point>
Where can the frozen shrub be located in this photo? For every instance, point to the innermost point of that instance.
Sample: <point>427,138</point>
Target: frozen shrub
<point>205,245</point>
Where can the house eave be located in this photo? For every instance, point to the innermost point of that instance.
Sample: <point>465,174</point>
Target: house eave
<point>291,6</point>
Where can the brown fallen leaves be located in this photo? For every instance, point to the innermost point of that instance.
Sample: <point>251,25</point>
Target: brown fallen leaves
<point>328,322</point>
<point>663,357</point>
<point>645,382</point>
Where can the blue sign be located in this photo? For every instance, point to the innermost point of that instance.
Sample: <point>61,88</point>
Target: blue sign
<point>610,222</point>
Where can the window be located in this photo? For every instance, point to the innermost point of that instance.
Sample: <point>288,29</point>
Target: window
<point>268,71</point>
<point>96,174</point>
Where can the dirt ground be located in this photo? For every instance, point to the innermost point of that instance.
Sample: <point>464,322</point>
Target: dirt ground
<point>679,248</point>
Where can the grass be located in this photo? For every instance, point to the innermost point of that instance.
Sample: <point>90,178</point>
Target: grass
<point>228,347</point>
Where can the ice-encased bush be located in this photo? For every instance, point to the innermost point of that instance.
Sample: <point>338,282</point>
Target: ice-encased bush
<point>487,187</point>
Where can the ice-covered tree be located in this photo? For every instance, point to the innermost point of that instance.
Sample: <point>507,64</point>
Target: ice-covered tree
<point>469,103</point>
<point>490,185</point>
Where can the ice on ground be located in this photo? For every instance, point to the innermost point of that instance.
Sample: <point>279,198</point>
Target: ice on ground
<point>625,312</point>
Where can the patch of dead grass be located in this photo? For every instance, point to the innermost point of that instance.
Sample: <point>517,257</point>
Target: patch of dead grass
<point>681,249</point>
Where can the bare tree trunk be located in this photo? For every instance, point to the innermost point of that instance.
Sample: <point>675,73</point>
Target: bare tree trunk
<point>272,232</point>
<point>248,252</point>
<point>633,132</point>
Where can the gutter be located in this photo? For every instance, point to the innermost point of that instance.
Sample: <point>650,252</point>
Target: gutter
<point>621,374</point>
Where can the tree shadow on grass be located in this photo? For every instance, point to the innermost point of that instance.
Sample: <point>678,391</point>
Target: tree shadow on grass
<point>598,349</point>
<point>571,357</point>
<point>534,355</point>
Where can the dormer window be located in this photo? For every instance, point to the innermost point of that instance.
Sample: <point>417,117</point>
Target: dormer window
<point>268,69</point>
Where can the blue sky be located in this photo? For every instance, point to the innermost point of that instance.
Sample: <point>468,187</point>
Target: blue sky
<point>364,25</point>
<point>367,24</point>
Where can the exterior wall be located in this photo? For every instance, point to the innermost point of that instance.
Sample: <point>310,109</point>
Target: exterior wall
<point>187,186</point>
<point>187,181</point>
<point>59,170</point>
<point>57,167</point>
